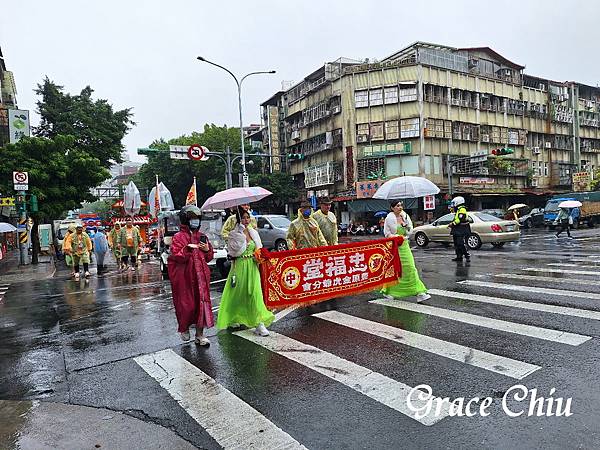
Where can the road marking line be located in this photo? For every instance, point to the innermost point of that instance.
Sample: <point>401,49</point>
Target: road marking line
<point>553,309</point>
<point>538,290</point>
<point>575,272</point>
<point>478,358</point>
<point>229,420</point>
<point>546,279</point>
<point>381,388</point>
<point>589,259</point>
<point>546,334</point>
<point>284,312</point>
<point>573,265</point>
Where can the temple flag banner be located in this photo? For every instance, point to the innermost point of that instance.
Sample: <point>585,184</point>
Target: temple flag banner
<point>313,275</point>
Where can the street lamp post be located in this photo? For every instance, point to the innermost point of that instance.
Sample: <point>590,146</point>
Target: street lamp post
<point>239,88</point>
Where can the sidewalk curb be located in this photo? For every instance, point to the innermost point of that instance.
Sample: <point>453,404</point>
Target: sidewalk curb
<point>48,425</point>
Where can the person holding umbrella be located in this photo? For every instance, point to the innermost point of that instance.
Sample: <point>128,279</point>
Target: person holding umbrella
<point>190,276</point>
<point>242,300</point>
<point>564,220</point>
<point>231,221</point>
<point>398,223</point>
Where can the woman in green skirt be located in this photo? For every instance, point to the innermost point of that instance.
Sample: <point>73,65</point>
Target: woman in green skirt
<point>242,301</point>
<point>409,284</point>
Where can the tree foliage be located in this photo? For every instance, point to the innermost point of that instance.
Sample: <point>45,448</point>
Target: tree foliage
<point>96,128</point>
<point>59,174</point>
<point>595,185</point>
<point>178,175</point>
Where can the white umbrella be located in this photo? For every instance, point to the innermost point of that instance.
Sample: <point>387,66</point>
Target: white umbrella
<point>165,199</point>
<point>235,197</point>
<point>406,187</point>
<point>132,201</point>
<point>569,204</point>
<point>6,228</point>
<point>517,206</point>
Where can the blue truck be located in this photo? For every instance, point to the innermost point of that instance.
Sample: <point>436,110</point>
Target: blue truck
<point>588,214</point>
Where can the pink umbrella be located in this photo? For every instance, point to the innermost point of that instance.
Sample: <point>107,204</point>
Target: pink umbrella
<point>235,197</point>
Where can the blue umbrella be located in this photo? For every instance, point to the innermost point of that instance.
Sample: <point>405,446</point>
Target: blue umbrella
<point>381,213</point>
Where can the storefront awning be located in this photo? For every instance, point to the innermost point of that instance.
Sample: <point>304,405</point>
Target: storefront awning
<point>368,205</point>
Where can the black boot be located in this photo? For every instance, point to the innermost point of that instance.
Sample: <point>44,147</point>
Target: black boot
<point>458,258</point>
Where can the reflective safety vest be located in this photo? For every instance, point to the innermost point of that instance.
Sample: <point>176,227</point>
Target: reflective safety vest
<point>461,217</point>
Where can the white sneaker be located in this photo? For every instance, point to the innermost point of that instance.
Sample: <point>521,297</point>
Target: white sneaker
<point>87,274</point>
<point>261,330</point>
<point>422,297</point>
<point>76,277</point>
<point>185,336</point>
<point>201,340</point>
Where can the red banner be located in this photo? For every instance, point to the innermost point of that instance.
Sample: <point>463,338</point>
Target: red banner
<point>316,274</point>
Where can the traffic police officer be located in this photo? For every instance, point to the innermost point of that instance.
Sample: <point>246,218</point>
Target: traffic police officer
<point>460,228</point>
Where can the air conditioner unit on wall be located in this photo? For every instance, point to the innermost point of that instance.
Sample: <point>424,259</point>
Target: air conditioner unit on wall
<point>534,183</point>
<point>362,138</point>
<point>536,150</point>
<point>336,109</point>
<point>296,135</point>
<point>548,145</point>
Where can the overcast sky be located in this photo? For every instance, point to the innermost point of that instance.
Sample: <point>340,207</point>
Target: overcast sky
<point>142,54</point>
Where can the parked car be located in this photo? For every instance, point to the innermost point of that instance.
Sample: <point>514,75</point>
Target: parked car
<point>272,229</point>
<point>211,224</point>
<point>499,213</point>
<point>530,218</point>
<point>485,229</point>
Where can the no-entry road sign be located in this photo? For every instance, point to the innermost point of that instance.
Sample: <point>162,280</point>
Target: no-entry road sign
<point>184,152</point>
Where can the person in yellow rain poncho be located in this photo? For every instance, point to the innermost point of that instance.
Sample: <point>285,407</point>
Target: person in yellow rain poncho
<point>130,242</point>
<point>231,222</point>
<point>79,249</point>
<point>327,221</point>
<point>66,245</point>
<point>304,232</point>
<point>113,241</point>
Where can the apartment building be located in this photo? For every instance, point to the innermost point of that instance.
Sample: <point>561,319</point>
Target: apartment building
<point>8,98</point>
<point>469,119</point>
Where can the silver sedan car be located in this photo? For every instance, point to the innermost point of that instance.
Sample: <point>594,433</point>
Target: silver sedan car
<point>485,229</point>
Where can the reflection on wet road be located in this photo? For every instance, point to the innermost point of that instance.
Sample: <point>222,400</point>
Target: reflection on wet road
<point>341,371</point>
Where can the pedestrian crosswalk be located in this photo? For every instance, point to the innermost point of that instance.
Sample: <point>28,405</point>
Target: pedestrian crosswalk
<point>495,304</point>
<point>3,289</point>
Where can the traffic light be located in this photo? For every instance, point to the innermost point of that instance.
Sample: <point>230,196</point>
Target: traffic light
<point>297,156</point>
<point>33,202</point>
<point>502,151</point>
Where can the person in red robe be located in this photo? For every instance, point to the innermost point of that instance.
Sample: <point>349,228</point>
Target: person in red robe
<point>190,276</point>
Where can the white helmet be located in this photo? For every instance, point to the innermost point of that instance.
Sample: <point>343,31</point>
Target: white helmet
<point>457,201</point>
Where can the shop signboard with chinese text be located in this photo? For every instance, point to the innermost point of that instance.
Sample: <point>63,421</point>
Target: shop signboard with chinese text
<point>429,202</point>
<point>18,124</point>
<point>366,189</point>
<point>581,181</point>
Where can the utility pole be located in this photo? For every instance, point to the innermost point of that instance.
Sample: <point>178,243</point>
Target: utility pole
<point>22,228</point>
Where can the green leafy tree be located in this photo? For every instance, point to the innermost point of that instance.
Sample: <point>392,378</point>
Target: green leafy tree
<point>60,175</point>
<point>98,129</point>
<point>178,175</point>
<point>595,185</point>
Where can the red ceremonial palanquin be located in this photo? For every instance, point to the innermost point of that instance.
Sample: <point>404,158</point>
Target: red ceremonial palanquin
<point>316,274</point>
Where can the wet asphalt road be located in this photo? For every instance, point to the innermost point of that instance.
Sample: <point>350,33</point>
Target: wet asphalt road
<point>75,343</point>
